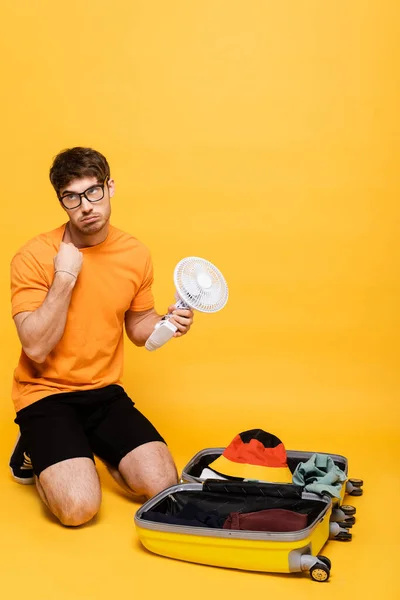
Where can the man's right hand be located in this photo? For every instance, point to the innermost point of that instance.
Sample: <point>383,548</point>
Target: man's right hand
<point>68,259</point>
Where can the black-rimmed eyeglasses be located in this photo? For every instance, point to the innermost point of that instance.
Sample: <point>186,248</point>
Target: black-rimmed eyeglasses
<point>94,193</point>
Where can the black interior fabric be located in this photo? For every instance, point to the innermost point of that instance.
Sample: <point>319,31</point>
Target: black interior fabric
<point>189,516</point>
<point>254,488</point>
<point>207,459</point>
<point>223,504</point>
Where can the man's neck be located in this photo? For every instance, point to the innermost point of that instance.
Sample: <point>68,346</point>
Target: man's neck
<point>71,234</point>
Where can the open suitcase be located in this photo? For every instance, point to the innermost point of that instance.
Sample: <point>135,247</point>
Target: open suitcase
<point>159,529</point>
<point>342,514</point>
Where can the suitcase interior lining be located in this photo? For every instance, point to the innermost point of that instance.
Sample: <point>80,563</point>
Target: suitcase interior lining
<point>224,504</point>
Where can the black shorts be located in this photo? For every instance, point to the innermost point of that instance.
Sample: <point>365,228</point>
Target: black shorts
<point>103,422</point>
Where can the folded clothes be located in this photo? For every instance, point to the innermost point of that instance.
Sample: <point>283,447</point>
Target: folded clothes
<point>208,473</point>
<point>273,519</point>
<point>320,475</point>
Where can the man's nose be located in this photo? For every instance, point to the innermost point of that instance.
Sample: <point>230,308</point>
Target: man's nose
<point>86,206</point>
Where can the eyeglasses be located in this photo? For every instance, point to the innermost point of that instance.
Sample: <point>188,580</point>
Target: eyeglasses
<point>72,200</point>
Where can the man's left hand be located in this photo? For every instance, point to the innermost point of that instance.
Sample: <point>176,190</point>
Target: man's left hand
<point>182,318</point>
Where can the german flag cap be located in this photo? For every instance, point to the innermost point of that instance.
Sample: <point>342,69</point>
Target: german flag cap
<point>254,454</point>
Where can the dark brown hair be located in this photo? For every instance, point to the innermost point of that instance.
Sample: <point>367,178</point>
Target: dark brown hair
<point>75,163</point>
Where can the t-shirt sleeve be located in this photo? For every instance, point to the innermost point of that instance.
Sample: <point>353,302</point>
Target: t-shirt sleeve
<point>144,299</point>
<point>29,285</point>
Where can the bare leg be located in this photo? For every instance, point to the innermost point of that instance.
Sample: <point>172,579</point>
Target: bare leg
<point>146,470</point>
<point>71,490</point>
<point>116,475</point>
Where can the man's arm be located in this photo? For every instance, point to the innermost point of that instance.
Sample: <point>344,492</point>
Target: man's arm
<point>140,325</point>
<point>40,330</point>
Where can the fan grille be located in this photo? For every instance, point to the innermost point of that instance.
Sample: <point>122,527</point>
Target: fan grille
<point>200,284</point>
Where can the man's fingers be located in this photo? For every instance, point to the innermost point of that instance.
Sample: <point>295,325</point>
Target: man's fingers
<point>182,323</point>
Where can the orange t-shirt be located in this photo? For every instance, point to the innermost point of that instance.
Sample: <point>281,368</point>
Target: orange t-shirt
<point>116,276</point>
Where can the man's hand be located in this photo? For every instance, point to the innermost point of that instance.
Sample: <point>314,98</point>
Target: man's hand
<point>140,325</point>
<point>182,318</point>
<point>69,259</point>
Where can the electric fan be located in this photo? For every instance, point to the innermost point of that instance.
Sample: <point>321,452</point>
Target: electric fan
<point>200,286</point>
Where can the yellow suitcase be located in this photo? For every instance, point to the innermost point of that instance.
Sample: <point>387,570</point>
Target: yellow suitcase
<point>343,514</point>
<point>278,552</point>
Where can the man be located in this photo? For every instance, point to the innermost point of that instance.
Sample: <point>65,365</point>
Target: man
<point>73,290</point>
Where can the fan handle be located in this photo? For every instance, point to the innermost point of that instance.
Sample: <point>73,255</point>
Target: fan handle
<point>164,330</point>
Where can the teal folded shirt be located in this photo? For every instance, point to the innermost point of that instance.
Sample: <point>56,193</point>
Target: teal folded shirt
<point>320,475</point>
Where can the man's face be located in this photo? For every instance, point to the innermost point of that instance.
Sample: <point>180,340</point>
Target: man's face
<point>90,216</point>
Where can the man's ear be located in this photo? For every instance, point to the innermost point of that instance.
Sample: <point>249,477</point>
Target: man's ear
<point>111,187</point>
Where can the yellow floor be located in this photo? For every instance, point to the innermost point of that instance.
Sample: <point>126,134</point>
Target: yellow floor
<point>264,136</point>
<point>44,561</point>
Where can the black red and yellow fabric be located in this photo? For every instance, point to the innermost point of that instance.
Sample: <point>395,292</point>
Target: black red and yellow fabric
<point>254,454</point>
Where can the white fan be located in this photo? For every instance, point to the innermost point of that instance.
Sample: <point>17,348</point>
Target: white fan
<point>199,285</point>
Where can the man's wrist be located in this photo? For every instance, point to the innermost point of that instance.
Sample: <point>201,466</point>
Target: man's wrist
<point>64,277</point>
<point>65,271</point>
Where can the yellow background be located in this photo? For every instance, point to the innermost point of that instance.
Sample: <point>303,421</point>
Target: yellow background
<point>263,136</point>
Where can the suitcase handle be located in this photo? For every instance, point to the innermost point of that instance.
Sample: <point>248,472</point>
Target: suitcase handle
<point>253,488</point>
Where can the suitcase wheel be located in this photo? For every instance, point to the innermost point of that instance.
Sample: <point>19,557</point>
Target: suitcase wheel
<point>354,487</point>
<point>348,509</point>
<point>342,518</point>
<point>325,560</point>
<point>343,536</point>
<point>320,572</point>
<point>356,482</point>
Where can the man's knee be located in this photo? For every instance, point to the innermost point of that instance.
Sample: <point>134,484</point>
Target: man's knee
<point>73,511</point>
<point>160,483</point>
<point>71,489</point>
<point>149,469</point>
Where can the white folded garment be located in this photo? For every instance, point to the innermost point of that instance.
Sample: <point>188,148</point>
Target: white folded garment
<point>210,474</point>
